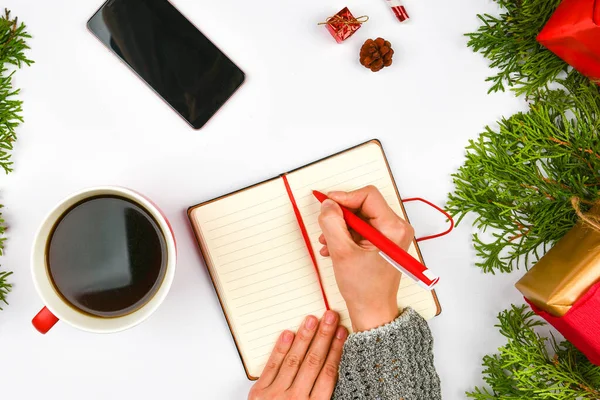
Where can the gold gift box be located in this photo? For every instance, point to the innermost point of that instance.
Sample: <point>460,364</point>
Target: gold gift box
<point>566,272</point>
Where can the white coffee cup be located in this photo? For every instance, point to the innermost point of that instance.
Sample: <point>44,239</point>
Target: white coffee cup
<point>56,308</point>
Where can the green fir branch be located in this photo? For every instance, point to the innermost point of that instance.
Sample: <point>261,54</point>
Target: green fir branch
<point>4,285</point>
<point>12,52</point>
<point>509,42</point>
<point>519,178</point>
<point>524,368</point>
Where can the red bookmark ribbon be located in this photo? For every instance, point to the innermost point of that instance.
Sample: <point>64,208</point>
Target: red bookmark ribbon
<point>306,237</point>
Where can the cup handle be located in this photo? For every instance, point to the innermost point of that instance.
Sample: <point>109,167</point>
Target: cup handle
<point>44,321</point>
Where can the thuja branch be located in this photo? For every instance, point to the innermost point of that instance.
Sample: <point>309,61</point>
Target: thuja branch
<point>12,55</point>
<point>509,41</point>
<point>525,369</point>
<point>12,52</point>
<point>520,177</point>
<point>4,285</point>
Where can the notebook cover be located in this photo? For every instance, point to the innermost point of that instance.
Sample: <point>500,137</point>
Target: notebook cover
<point>204,251</point>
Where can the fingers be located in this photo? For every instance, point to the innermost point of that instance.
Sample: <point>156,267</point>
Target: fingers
<point>401,233</point>
<point>283,345</point>
<point>372,205</point>
<point>324,250</point>
<point>325,384</point>
<point>322,239</point>
<point>316,355</point>
<point>295,356</point>
<point>368,200</point>
<point>335,230</point>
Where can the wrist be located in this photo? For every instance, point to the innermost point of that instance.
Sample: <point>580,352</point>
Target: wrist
<point>367,318</point>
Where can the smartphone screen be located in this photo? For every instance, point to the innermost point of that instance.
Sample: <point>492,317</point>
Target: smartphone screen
<point>185,68</point>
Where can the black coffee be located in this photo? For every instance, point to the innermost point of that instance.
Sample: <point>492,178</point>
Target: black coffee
<point>107,256</point>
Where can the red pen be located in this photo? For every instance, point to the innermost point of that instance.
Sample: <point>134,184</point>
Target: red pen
<point>390,251</point>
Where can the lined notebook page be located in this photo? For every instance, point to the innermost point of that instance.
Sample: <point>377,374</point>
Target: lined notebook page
<point>353,169</point>
<point>260,265</point>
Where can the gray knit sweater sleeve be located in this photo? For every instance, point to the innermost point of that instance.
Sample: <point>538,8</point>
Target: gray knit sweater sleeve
<point>392,362</point>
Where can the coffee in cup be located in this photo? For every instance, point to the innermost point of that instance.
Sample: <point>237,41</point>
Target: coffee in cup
<point>107,254</point>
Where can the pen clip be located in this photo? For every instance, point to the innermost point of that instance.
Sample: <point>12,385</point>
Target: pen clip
<point>430,275</point>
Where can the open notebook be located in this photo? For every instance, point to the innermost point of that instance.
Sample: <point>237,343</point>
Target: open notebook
<point>259,262</point>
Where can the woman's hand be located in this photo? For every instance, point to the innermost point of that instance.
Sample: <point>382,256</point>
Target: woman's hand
<point>366,281</point>
<point>303,366</point>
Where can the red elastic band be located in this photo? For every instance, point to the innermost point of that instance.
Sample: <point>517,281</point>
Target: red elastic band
<point>306,238</point>
<point>440,210</point>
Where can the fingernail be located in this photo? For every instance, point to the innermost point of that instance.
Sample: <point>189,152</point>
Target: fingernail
<point>311,323</point>
<point>341,333</point>
<point>287,337</point>
<point>329,317</point>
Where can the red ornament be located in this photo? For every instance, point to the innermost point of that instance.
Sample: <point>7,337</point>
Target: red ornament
<point>573,34</point>
<point>398,10</point>
<point>343,24</point>
<point>400,13</point>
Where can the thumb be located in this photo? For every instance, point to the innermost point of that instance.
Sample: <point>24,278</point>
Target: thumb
<point>334,228</point>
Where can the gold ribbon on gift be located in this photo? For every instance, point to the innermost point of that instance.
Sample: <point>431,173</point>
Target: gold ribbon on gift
<point>570,268</point>
<point>592,219</point>
<point>336,19</point>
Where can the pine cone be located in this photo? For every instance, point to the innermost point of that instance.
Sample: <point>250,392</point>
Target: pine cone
<point>376,54</point>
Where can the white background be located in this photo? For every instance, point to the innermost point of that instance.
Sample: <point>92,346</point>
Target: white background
<point>90,121</point>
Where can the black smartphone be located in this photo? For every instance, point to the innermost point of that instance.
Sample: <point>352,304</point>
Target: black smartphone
<point>168,52</point>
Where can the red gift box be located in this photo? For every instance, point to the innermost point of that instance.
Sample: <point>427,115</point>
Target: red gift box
<point>343,24</point>
<point>573,34</point>
<point>581,324</point>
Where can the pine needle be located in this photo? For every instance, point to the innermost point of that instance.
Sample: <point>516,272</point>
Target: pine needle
<point>4,285</point>
<point>521,176</point>
<point>509,42</point>
<point>524,369</point>
<point>522,179</point>
<point>12,53</point>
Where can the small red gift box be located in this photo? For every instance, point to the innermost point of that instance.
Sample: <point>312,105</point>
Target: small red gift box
<point>343,24</point>
<point>581,324</point>
<point>573,34</point>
